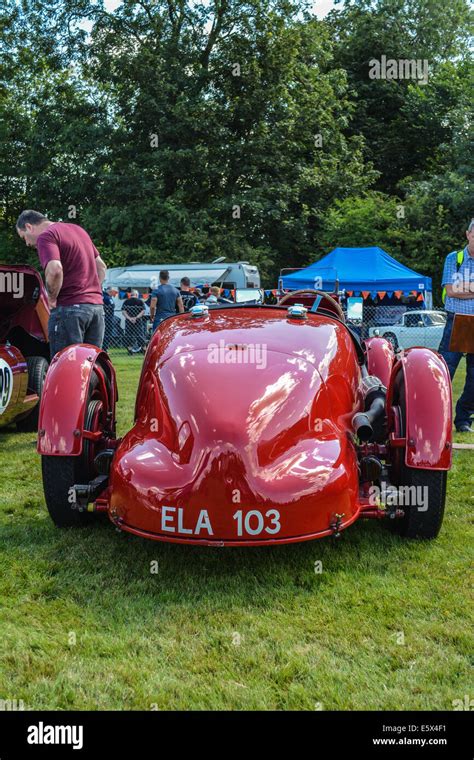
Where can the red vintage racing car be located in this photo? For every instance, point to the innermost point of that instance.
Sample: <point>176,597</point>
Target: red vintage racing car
<point>254,425</point>
<point>24,347</point>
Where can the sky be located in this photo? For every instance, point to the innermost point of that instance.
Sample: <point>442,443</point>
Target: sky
<point>320,8</point>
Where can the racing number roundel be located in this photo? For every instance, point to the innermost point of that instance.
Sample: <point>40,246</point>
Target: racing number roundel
<point>6,385</point>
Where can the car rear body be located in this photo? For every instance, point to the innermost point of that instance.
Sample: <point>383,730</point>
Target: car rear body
<point>243,412</point>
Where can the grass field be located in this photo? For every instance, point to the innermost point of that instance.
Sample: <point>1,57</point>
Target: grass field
<point>85,625</point>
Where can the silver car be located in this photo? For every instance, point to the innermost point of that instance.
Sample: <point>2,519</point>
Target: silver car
<point>414,328</point>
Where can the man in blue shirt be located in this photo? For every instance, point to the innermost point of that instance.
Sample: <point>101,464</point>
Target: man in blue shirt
<point>165,300</point>
<point>458,280</point>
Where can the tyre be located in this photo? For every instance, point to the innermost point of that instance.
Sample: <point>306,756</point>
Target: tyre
<point>37,369</point>
<point>423,518</point>
<point>60,473</point>
<point>392,338</point>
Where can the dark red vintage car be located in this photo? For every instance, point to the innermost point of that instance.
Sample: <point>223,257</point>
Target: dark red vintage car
<point>24,347</point>
<point>254,425</point>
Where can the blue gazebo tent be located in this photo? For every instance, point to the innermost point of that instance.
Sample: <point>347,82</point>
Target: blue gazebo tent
<point>363,271</point>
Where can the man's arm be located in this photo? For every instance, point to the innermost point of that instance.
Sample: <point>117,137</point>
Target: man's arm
<point>179,301</point>
<point>453,281</point>
<point>54,281</point>
<point>101,269</point>
<point>464,290</point>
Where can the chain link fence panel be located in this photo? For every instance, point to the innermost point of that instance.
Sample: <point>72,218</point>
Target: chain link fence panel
<point>403,325</point>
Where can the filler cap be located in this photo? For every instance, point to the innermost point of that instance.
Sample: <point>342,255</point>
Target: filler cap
<point>200,310</point>
<point>297,311</point>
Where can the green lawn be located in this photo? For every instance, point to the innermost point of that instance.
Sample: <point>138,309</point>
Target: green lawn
<point>86,625</point>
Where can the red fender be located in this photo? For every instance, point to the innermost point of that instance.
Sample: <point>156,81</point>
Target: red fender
<point>64,399</point>
<point>429,413</point>
<point>380,358</point>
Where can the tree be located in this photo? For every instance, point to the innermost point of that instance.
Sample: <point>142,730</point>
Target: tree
<point>404,122</point>
<point>194,130</point>
<point>51,125</point>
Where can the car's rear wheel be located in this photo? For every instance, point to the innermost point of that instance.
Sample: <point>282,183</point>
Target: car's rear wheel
<point>59,476</point>
<point>424,490</point>
<point>37,369</point>
<point>392,338</point>
<point>424,517</point>
<point>60,473</point>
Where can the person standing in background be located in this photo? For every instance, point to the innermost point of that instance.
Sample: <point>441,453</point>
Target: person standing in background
<point>109,313</point>
<point>189,299</point>
<point>458,284</point>
<point>213,296</point>
<point>133,310</point>
<point>165,300</point>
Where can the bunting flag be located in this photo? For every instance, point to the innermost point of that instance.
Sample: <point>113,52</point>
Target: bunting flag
<point>420,297</point>
<point>365,293</point>
<point>349,293</point>
<point>398,293</point>
<point>381,293</point>
<point>373,294</point>
<point>390,293</point>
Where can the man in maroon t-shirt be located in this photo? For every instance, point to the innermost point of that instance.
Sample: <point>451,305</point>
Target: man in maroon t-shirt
<point>74,273</point>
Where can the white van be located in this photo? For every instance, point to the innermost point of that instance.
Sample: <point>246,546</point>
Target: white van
<point>141,277</point>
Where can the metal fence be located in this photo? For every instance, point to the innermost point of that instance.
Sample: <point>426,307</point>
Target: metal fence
<point>404,325</point>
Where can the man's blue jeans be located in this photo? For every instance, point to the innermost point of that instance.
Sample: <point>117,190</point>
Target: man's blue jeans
<point>83,323</point>
<point>465,404</point>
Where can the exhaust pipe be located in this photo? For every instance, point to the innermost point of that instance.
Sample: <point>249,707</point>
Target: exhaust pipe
<point>374,406</point>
